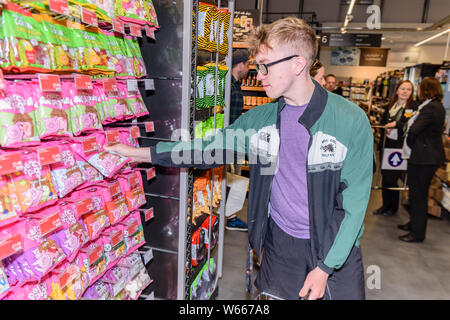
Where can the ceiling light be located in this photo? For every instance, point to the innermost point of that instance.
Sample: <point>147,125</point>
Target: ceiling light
<point>432,37</point>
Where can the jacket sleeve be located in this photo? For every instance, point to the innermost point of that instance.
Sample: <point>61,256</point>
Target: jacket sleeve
<point>425,119</point>
<point>357,176</point>
<point>226,146</point>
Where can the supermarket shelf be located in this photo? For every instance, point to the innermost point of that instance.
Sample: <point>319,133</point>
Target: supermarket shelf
<point>240,45</point>
<point>244,88</point>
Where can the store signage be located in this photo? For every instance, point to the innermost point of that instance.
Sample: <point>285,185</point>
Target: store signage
<point>118,25</point>
<point>83,82</point>
<point>10,162</point>
<point>10,246</point>
<point>351,39</point>
<point>49,82</point>
<point>59,6</point>
<point>89,17</point>
<point>392,160</point>
<point>373,57</point>
<point>49,155</point>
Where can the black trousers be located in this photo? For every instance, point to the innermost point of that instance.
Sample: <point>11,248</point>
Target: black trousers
<point>286,262</point>
<point>419,179</point>
<point>390,197</point>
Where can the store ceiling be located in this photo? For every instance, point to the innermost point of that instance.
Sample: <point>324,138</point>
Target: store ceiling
<point>403,22</point>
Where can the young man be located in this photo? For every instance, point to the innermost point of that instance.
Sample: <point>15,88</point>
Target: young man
<point>310,155</point>
<point>331,84</point>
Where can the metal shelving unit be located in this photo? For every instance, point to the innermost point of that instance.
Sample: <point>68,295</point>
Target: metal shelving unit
<point>172,62</point>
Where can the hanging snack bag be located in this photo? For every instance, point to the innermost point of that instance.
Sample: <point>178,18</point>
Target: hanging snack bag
<point>84,117</point>
<point>131,11</point>
<point>7,213</point>
<point>210,84</point>
<point>17,116</point>
<point>53,115</point>
<point>205,18</point>
<point>201,87</point>
<point>150,13</point>
<point>27,40</point>
<point>133,231</point>
<point>222,73</point>
<point>33,186</point>
<point>224,25</point>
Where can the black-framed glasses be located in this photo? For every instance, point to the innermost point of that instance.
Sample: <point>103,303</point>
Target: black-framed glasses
<point>263,67</point>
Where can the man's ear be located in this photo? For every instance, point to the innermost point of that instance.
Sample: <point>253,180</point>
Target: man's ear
<point>300,64</point>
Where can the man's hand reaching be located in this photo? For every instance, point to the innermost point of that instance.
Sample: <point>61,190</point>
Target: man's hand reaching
<point>136,154</point>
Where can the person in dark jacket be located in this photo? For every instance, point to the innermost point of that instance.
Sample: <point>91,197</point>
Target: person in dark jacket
<point>426,153</point>
<point>395,120</point>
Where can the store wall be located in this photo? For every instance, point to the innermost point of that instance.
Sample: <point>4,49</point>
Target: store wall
<point>431,54</point>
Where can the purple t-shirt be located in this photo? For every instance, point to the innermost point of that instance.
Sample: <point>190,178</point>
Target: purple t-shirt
<point>289,194</point>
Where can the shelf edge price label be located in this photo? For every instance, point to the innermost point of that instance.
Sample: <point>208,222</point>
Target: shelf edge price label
<point>90,144</point>
<point>11,162</point>
<point>112,136</point>
<point>59,6</point>
<point>83,82</point>
<point>132,85</point>
<point>10,246</point>
<point>148,255</point>
<point>150,32</point>
<point>110,84</point>
<point>49,155</point>
<point>49,82</point>
<point>149,84</point>
<point>151,173</point>
<point>89,17</point>
<point>135,132</point>
<point>135,30</point>
<point>149,214</point>
<point>49,224</point>
<point>149,126</point>
<point>118,25</point>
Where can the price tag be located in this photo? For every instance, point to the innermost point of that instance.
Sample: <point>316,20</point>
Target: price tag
<point>135,30</point>
<point>114,189</point>
<point>133,227</point>
<point>10,246</point>
<point>90,144</point>
<point>135,132</point>
<point>2,80</point>
<point>151,173</point>
<point>148,255</point>
<point>132,85</point>
<point>110,84</point>
<point>149,126</point>
<point>10,162</point>
<point>83,82</point>
<point>148,214</point>
<point>95,254</point>
<point>59,6</point>
<point>118,25</point>
<point>133,180</point>
<point>49,224</point>
<point>49,155</point>
<point>112,136</point>
<point>151,296</point>
<point>116,237</point>
<point>149,84</point>
<point>49,82</point>
<point>150,32</point>
<point>84,206</point>
<point>89,17</point>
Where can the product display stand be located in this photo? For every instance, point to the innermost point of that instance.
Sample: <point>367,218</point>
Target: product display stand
<point>172,63</point>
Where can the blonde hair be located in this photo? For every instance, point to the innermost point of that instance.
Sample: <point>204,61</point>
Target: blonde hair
<point>291,32</point>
